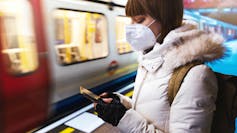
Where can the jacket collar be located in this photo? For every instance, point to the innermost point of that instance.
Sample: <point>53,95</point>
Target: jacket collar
<point>182,45</point>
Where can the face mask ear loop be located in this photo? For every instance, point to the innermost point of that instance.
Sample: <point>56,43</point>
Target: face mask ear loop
<point>158,36</point>
<point>151,23</point>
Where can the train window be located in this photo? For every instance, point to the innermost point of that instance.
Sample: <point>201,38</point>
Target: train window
<point>79,36</point>
<point>211,28</point>
<point>17,37</point>
<point>230,32</point>
<point>235,34</point>
<point>121,43</point>
<point>219,29</point>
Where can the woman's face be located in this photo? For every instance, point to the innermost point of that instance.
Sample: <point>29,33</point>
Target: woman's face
<point>146,20</point>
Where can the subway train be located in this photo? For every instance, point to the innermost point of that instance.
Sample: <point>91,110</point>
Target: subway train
<point>227,30</point>
<point>227,64</point>
<point>49,48</point>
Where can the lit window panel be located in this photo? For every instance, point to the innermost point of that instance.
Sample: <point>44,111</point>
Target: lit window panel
<point>80,36</point>
<point>17,36</point>
<point>122,45</point>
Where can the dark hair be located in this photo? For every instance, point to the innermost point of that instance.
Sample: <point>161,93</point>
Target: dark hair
<point>168,12</point>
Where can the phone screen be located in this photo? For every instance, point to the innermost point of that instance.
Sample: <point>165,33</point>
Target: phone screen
<point>89,95</point>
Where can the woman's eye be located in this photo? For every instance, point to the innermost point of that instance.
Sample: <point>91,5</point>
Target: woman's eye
<point>140,20</point>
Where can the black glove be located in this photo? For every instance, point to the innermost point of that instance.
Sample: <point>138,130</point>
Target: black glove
<point>111,112</point>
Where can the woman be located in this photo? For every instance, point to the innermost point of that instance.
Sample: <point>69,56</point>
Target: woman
<point>165,43</point>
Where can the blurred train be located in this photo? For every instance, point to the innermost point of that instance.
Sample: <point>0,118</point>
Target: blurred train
<point>49,48</point>
<point>227,64</point>
<point>228,31</point>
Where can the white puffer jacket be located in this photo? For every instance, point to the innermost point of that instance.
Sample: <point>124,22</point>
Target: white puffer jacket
<point>193,106</point>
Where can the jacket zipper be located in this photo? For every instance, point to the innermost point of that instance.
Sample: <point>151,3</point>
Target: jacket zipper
<point>139,89</point>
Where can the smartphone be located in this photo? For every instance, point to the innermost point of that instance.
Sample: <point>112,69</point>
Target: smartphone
<point>89,95</point>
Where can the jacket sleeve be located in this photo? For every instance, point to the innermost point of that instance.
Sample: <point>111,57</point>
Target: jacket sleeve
<point>126,101</point>
<point>193,106</point>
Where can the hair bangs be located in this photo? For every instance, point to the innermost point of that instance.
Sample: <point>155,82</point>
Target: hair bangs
<point>134,8</point>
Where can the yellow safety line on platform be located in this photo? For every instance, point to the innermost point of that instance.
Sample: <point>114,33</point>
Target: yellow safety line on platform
<point>67,130</point>
<point>129,94</point>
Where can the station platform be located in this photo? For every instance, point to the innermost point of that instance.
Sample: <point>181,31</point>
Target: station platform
<point>84,120</point>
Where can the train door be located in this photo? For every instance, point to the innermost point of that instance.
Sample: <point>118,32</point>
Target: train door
<point>24,86</point>
<point>78,33</point>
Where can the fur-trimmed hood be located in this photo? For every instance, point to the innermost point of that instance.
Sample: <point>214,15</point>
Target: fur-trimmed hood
<point>182,45</point>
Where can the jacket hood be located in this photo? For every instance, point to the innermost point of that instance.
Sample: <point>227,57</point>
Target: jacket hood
<point>186,44</point>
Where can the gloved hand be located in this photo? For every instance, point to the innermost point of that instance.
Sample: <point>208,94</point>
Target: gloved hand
<point>111,112</point>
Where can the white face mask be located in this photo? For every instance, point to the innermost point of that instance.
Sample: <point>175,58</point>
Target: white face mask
<point>140,37</point>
